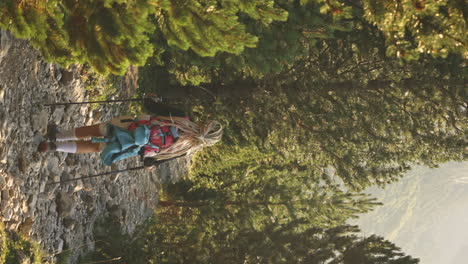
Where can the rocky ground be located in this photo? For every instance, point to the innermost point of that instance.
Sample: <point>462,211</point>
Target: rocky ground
<point>61,217</point>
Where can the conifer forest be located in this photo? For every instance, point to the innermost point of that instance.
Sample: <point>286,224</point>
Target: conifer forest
<point>319,100</point>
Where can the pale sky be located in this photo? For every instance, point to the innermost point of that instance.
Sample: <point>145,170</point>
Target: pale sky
<point>426,214</point>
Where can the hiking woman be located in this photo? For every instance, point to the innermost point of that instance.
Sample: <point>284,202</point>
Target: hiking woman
<point>154,138</point>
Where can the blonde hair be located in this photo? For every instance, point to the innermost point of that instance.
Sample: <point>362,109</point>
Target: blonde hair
<point>192,136</point>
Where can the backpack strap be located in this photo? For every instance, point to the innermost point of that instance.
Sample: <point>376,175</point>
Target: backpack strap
<point>151,145</point>
<point>174,132</point>
<point>162,135</point>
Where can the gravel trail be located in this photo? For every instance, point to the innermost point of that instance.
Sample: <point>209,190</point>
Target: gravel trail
<point>61,217</point>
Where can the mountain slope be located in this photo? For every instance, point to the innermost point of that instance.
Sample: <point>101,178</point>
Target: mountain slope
<point>426,214</point>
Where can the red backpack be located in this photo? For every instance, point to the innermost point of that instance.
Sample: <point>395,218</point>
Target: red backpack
<point>160,136</point>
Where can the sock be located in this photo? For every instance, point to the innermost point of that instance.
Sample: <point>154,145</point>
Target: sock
<point>68,146</point>
<point>66,135</point>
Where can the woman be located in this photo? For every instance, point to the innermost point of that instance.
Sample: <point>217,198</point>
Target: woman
<point>163,137</point>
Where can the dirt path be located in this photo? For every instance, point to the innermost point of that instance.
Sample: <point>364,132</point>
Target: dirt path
<point>60,217</point>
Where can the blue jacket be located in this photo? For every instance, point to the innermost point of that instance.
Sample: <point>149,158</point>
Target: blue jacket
<point>122,143</point>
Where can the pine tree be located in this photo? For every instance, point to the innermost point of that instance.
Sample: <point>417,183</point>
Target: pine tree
<point>211,26</point>
<point>409,34</point>
<point>348,107</point>
<point>416,27</point>
<point>411,28</point>
<point>112,34</point>
<point>109,35</point>
<point>279,45</point>
<point>215,210</point>
<point>36,20</point>
<point>273,243</point>
<point>375,249</point>
<point>284,200</point>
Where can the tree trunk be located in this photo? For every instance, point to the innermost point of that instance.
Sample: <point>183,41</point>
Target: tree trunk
<point>197,204</point>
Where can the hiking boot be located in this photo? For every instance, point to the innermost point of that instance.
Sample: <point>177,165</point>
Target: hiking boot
<point>45,146</point>
<point>52,130</point>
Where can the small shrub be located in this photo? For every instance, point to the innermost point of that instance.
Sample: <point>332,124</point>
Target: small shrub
<point>112,246</point>
<point>14,248</point>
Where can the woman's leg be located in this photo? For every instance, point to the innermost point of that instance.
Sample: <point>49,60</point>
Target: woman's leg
<point>86,132</point>
<point>78,147</point>
<point>82,133</point>
<point>71,146</point>
<point>88,147</point>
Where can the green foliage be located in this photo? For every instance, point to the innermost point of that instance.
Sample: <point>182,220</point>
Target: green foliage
<point>109,35</point>
<point>31,18</point>
<point>313,111</point>
<point>222,211</point>
<point>282,45</point>
<point>64,257</point>
<point>358,116</point>
<point>174,239</point>
<point>211,26</point>
<point>279,45</point>
<point>3,244</point>
<point>313,114</point>
<point>411,28</point>
<point>113,246</point>
<point>98,87</point>
<point>373,249</point>
<point>15,248</point>
<point>417,27</point>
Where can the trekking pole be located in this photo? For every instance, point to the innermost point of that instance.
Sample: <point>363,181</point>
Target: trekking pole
<point>97,102</point>
<point>97,175</point>
<point>153,98</point>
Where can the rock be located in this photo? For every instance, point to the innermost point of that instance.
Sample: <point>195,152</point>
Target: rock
<point>35,165</point>
<point>32,200</point>
<point>52,208</point>
<point>115,211</point>
<point>87,199</point>
<point>78,187</point>
<point>42,186</point>
<point>66,77</point>
<point>52,164</point>
<point>2,181</point>
<point>37,138</point>
<point>5,195</point>
<point>59,245</point>
<point>10,182</point>
<point>70,160</point>
<point>26,226</point>
<point>22,257</point>
<point>5,43</point>
<point>7,213</point>
<point>3,205</point>
<point>64,203</point>
<point>24,207</point>
<point>69,222</point>
<point>58,74</point>
<point>113,191</point>
<point>58,113</point>
<point>39,121</point>
<point>23,164</point>
<point>16,206</point>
